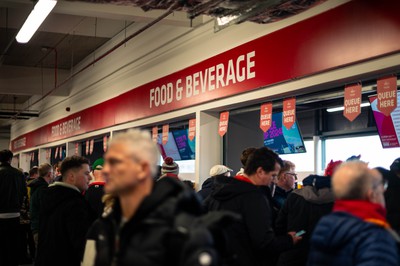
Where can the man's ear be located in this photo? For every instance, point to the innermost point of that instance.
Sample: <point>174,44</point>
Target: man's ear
<point>70,176</point>
<point>260,171</point>
<point>145,171</point>
<point>370,195</point>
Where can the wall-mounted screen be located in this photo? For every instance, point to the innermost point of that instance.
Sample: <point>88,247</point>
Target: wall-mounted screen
<point>179,147</point>
<point>388,126</point>
<point>282,140</point>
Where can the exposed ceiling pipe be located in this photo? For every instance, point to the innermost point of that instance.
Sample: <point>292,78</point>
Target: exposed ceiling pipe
<point>147,26</point>
<point>9,43</point>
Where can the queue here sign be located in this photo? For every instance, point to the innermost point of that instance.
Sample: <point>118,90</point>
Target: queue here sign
<point>387,95</point>
<point>352,102</point>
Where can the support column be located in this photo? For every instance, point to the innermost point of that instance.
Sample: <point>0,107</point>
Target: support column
<point>318,156</point>
<point>208,145</point>
<point>71,149</point>
<point>25,161</point>
<point>42,156</point>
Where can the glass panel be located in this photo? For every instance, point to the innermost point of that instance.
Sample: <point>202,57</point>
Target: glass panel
<point>304,161</point>
<point>369,147</point>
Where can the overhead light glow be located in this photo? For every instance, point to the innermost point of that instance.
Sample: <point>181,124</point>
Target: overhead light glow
<point>341,108</point>
<point>35,19</point>
<point>226,19</point>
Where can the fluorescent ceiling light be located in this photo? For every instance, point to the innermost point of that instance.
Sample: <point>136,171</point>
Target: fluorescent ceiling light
<point>35,19</point>
<point>341,108</point>
<point>226,19</point>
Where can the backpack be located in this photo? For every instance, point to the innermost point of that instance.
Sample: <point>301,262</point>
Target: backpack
<point>199,239</point>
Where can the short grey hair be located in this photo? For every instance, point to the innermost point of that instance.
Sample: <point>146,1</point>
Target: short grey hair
<point>143,147</point>
<point>352,181</point>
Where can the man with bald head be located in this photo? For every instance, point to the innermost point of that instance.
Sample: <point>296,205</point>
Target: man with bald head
<point>356,232</point>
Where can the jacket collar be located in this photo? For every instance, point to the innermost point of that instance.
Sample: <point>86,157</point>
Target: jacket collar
<point>63,184</point>
<point>365,210</point>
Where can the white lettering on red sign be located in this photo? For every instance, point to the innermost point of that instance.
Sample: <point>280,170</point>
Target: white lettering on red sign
<point>218,76</point>
<point>20,143</point>
<point>67,127</point>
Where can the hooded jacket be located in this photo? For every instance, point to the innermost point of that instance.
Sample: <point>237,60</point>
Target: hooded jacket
<point>302,211</point>
<point>341,238</point>
<point>252,240</point>
<point>207,186</point>
<point>63,226</point>
<point>12,189</point>
<point>144,239</point>
<point>37,187</point>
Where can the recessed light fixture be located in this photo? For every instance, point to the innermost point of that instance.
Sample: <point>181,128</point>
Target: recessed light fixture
<point>35,19</point>
<point>341,108</point>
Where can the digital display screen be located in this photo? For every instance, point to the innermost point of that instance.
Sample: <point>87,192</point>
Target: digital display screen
<point>179,147</point>
<point>282,140</point>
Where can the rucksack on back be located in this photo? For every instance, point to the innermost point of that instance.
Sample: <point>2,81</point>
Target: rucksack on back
<point>199,239</point>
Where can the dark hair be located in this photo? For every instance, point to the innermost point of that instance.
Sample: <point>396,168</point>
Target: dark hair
<point>34,171</point>
<point>72,162</point>
<point>245,155</point>
<point>5,156</point>
<point>264,158</point>
<point>189,183</point>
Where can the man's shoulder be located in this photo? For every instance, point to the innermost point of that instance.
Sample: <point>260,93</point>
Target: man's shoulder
<point>6,169</point>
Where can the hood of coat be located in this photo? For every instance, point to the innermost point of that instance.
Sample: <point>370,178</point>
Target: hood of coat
<point>226,188</point>
<point>58,193</point>
<point>37,183</point>
<point>316,196</point>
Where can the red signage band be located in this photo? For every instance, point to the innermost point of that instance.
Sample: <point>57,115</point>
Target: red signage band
<point>299,50</point>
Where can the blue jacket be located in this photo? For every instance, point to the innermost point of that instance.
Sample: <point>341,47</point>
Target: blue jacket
<point>343,239</point>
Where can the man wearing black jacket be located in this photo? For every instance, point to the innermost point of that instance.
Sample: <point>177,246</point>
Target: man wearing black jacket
<point>252,240</point>
<point>38,186</point>
<point>12,191</point>
<point>139,226</point>
<point>64,219</point>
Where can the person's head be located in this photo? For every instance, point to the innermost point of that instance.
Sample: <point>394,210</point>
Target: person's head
<point>57,168</point>
<point>130,162</point>
<point>189,184</point>
<point>169,167</point>
<point>395,167</point>
<point>46,171</point>
<point>287,176</point>
<point>354,158</point>
<point>262,166</point>
<point>245,155</point>
<point>355,181</point>
<point>75,171</point>
<point>34,172</point>
<point>331,167</point>
<point>6,156</point>
<point>97,169</point>
<point>220,170</point>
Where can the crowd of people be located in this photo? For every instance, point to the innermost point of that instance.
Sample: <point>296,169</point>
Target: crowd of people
<point>124,209</point>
